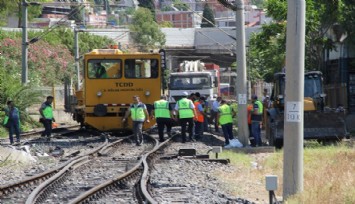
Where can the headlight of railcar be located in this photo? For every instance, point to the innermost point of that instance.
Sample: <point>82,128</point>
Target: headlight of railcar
<point>99,94</point>
<point>147,93</point>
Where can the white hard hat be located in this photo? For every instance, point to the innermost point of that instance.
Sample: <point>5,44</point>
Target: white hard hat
<point>185,93</point>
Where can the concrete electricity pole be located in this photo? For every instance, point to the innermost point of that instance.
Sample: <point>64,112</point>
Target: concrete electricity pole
<point>76,56</point>
<point>293,126</point>
<point>241,84</point>
<point>24,75</point>
<point>25,43</point>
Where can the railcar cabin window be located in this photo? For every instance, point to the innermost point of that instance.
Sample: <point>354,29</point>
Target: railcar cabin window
<point>141,68</point>
<point>104,69</point>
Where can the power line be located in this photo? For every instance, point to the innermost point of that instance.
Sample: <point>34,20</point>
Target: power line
<point>62,20</point>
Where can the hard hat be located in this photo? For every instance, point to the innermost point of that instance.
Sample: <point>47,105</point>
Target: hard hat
<point>185,93</point>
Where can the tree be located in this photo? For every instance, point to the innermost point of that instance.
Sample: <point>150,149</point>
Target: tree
<point>148,4</point>
<point>267,48</point>
<point>266,52</point>
<point>347,19</point>
<point>76,14</point>
<point>145,31</point>
<point>166,24</point>
<point>181,5</point>
<point>258,3</point>
<point>8,8</point>
<point>207,17</point>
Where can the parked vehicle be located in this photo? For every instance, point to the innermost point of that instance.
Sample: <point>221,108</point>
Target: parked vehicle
<point>320,123</point>
<point>111,79</point>
<point>192,77</point>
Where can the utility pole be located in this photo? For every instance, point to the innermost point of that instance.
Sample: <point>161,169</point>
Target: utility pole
<point>241,84</point>
<point>25,43</point>
<point>76,56</point>
<point>106,4</point>
<point>24,75</point>
<point>293,126</point>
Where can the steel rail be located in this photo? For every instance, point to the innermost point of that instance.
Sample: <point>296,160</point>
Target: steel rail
<point>4,190</point>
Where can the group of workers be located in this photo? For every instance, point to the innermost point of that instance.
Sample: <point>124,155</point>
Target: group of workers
<point>12,119</point>
<point>190,111</point>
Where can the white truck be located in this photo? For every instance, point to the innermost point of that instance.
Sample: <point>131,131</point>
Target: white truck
<point>192,77</point>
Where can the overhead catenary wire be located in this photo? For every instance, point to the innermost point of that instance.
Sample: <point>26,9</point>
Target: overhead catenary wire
<point>62,20</point>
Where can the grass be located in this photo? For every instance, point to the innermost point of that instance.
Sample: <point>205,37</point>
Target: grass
<point>328,175</point>
<point>3,133</point>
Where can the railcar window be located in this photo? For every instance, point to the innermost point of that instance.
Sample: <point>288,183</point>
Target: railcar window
<point>104,69</point>
<point>141,68</point>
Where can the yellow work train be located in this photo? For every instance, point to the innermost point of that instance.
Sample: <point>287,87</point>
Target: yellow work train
<point>111,79</point>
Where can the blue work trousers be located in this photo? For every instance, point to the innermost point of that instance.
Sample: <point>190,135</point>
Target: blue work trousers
<point>47,123</point>
<point>256,132</point>
<point>198,129</point>
<point>189,122</point>
<point>162,123</point>
<point>205,123</point>
<point>227,132</point>
<point>14,127</point>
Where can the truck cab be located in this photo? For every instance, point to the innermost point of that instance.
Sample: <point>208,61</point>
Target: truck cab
<point>202,82</point>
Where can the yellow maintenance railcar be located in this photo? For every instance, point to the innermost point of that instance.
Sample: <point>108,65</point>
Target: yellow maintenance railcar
<point>111,79</point>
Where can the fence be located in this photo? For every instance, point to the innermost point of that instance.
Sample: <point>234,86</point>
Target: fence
<point>58,104</point>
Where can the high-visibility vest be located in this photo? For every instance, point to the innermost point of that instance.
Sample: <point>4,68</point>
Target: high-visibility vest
<point>225,112</point>
<point>137,112</point>
<point>257,117</point>
<point>184,108</point>
<point>260,106</point>
<point>48,112</point>
<point>199,114</point>
<point>6,119</point>
<point>161,109</point>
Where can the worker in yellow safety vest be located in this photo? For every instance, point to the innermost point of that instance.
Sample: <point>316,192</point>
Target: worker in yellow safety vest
<point>139,115</point>
<point>47,118</point>
<point>186,112</point>
<point>225,119</point>
<point>256,120</point>
<point>163,115</point>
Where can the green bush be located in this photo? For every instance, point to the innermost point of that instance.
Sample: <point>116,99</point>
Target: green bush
<point>50,62</point>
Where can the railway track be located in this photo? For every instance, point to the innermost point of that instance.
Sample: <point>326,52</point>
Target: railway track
<point>36,134</point>
<point>117,172</point>
<point>18,191</point>
<point>60,185</point>
<point>87,172</point>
